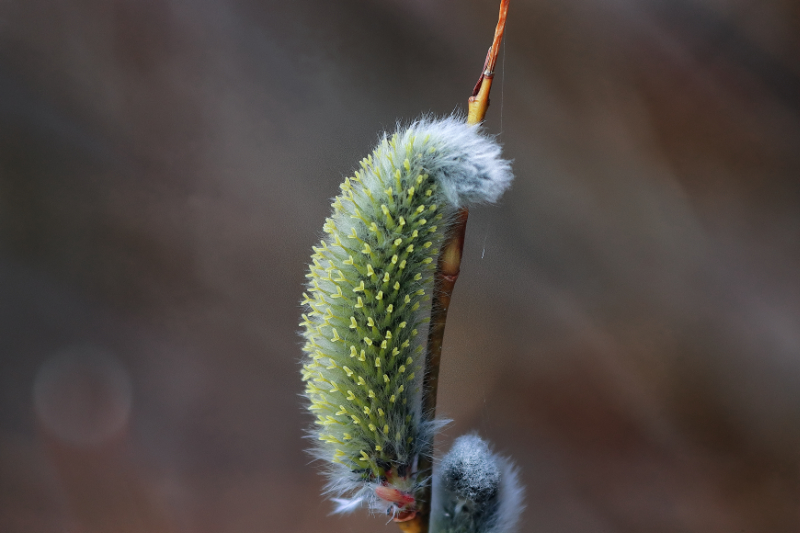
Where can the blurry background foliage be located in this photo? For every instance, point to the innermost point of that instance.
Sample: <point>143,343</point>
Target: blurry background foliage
<point>627,323</point>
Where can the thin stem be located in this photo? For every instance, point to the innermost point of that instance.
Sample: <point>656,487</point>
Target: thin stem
<point>447,271</point>
<point>479,101</point>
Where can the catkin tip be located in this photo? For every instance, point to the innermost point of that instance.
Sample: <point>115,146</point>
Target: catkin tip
<point>467,162</point>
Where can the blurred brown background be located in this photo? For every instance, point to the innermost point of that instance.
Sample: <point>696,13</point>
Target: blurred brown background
<point>627,324</point>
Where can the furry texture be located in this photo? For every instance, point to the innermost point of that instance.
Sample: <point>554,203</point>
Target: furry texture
<point>476,491</point>
<point>467,164</point>
<point>367,302</point>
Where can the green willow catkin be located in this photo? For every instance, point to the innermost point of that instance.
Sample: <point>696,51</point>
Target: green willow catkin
<point>370,282</point>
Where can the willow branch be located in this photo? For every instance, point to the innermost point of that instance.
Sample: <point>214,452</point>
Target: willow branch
<point>447,271</point>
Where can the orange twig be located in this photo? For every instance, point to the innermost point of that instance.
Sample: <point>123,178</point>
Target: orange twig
<point>479,101</point>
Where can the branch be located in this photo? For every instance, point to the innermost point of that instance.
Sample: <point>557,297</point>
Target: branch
<point>447,271</point>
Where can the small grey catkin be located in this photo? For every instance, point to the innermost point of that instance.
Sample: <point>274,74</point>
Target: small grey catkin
<point>475,490</point>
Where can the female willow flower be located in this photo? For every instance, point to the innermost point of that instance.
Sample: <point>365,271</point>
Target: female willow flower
<point>369,283</point>
<point>477,491</point>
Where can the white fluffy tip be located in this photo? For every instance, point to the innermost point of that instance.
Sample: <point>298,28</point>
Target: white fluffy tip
<point>346,505</point>
<point>466,162</point>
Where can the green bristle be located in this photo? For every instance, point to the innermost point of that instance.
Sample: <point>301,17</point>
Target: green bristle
<point>369,279</point>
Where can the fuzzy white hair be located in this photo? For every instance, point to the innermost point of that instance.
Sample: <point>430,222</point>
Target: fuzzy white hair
<point>511,498</point>
<point>466,162</point>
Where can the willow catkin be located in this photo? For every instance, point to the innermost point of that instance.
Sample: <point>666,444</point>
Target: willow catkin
<point>369,285</point>
<point>476,490</point>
